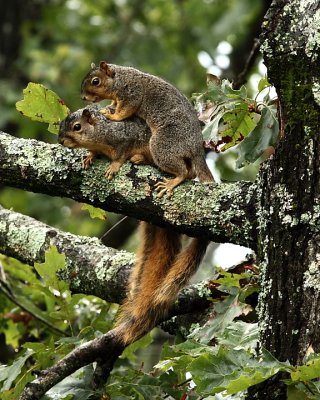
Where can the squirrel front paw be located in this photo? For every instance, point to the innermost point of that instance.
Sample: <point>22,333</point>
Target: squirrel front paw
<point>112,170</point>
<point>88,160</point>
<point>107,111</point>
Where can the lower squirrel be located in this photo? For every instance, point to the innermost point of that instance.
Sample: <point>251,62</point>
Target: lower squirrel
<point>176,142</point>
<point>122,141</point>
<point>162,267</point>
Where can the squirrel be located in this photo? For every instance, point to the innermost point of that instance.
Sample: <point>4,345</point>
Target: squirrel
<point>176,142</point>
<point>162,268</point>
<point>119,141</point>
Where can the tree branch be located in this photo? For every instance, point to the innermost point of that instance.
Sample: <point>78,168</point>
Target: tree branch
<point>224,213</point>
<point>91,267</point>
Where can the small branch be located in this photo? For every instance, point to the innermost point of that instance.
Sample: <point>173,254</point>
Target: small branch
<point>241,79</point>
<point>18,303</point>
<point>223,213</point>
<point>105,346</point>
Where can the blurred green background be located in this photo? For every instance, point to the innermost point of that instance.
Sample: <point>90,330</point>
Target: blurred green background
<point>53,42</point>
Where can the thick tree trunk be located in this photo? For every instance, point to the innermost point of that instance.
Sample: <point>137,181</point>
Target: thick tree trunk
<point>290,192</point>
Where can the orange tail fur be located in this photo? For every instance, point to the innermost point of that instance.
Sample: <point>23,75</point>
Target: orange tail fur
<point>160,272</point>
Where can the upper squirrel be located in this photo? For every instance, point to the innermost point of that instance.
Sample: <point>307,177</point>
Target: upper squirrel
<point>176,144</point>
<point>119,141</point>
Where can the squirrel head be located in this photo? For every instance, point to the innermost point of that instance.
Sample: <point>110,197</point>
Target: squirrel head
<point>97,84</point>
<point>77,130</point>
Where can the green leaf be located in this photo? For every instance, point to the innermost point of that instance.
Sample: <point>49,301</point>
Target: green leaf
<point>265,134</point>
<point>225,312</point>
<point>298,393</point>
<point>308,371</point>
<point>76,386</point>
<point>226,87</point>
<point>263,83</point>
<point>9,373</point>
<point>94,211</point>
<point>54,261</point>
<point>133,384</point>
<point>232,370</point>
<point>211,130</point>
<point>142,343</point>
<point>240,335</point>
<point>231,279</point>
<point>239,122</point>
<point>42,104</point>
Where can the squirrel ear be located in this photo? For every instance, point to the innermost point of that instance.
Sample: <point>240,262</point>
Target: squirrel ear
<point>86,114</point>
<point>105,67</point>
<point>93,65</point>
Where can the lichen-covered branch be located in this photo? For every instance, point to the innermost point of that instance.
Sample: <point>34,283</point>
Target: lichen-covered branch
<point>91,267</point>
<point>224,213</point>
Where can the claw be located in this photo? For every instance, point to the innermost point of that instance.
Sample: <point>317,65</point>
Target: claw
<point>109,174</point>
<point>112,170</point>
<point>164,187</point>
<point>87,160</point>
<point>106,111</point>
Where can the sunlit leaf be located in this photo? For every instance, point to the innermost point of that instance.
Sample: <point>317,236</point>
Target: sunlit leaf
<point>239,122</point>
<point>263,83</point>
<point>42,104</point>
<point>54,261</point>
<point>310,370</point>
<point>95,212</point>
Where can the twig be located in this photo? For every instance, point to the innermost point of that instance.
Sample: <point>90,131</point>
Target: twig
<point>241,78</point>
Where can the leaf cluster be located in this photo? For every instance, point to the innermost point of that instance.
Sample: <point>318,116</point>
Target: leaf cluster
<point>218,357</point>
<point>231,119</point>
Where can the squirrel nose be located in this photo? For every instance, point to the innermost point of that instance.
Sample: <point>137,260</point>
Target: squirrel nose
<point>60,140</point>
<point>83,97</point>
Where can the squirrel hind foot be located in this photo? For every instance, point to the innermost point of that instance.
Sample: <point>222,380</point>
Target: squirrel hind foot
<point>166,186</point>
<point>138,159</point>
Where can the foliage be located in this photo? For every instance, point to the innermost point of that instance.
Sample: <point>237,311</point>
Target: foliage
<point>234,119</point>
<point>94,211</point>
<point>41,319</point>
<point>218,357</point>
<point>54,320</point>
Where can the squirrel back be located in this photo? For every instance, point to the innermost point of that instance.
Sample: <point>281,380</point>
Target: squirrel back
<point>176,143</point>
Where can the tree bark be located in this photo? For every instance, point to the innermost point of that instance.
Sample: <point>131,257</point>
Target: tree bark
<point>91,267</point>
<point>289,236</point>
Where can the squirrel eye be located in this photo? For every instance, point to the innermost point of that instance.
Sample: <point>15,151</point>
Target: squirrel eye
<point>95,81</point>
<point>77,127</point>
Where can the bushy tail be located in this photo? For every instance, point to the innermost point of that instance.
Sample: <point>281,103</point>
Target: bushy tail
<point>160,272</point>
